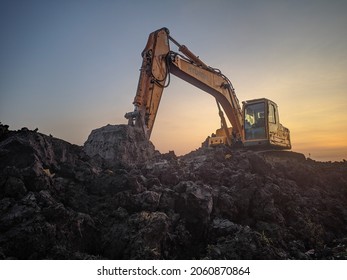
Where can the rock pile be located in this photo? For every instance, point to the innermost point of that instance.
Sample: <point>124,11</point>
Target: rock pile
<point>117,198</point>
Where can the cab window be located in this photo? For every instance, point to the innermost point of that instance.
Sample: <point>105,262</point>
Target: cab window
<point>272,113</point>
<point>255,121</point>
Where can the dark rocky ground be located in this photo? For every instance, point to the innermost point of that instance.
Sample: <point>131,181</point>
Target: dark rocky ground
<point>62,201</point>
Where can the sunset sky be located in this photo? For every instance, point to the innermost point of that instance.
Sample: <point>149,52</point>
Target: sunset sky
<point>67,67</point>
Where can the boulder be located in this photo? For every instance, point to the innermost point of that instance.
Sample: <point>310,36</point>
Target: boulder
<point>119,145</point>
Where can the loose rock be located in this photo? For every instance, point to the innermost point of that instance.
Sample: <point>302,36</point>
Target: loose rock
<point>118,198</point>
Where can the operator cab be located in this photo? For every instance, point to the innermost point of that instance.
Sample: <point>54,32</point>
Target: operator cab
<point>261,125</point>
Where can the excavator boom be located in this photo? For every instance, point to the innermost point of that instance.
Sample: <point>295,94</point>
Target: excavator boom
<point>212,82</point>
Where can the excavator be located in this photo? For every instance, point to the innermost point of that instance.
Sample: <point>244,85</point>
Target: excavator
<point>255,125</point>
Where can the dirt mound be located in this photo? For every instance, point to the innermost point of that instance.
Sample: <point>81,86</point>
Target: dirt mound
<point>126,201</point>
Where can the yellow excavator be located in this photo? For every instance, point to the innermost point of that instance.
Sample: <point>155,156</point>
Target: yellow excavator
<point>255,125</point>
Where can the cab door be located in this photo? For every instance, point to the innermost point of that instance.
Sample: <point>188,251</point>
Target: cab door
<point>255,122</point>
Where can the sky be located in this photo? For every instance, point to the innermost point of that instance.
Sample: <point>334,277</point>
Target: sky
<point>68,67</point>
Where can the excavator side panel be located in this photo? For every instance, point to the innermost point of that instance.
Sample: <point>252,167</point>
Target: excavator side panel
<point>279,136</point>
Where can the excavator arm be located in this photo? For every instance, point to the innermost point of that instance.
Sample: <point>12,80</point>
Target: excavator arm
<point>158,62</point>
<point>154,73</point>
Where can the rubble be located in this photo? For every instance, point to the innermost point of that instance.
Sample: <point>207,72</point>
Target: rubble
<point>118,198</point>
